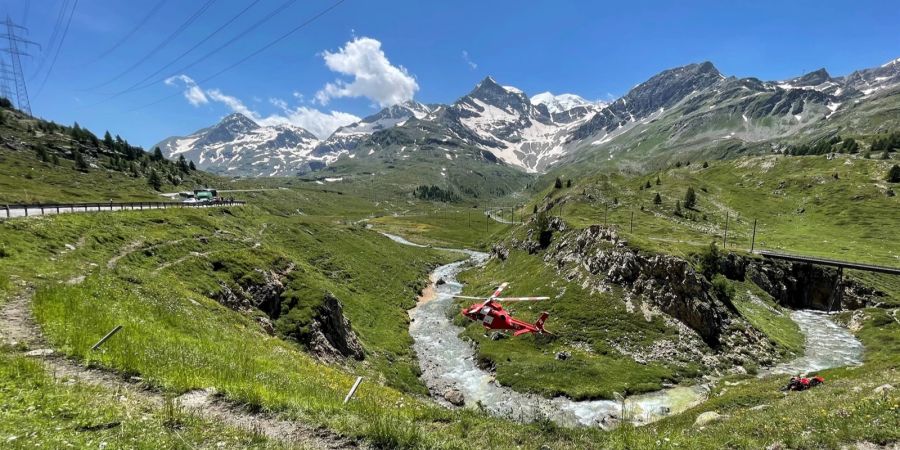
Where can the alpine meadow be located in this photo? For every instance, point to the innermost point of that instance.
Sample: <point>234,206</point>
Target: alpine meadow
<point>342,224</point>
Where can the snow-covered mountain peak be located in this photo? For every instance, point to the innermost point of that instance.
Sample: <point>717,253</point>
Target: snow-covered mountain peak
<point>238,145</point>
<point>562,102</point>
<point>386,118</point>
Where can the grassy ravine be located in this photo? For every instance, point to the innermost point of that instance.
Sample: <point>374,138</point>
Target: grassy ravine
<point>37,411</point>
<point>584,324</point>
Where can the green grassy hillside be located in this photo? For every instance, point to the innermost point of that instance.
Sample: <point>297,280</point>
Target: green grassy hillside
<point>45,162</point>
<point>159,273</point>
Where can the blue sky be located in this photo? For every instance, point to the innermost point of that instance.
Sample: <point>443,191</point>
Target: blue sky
<point>594,49</point>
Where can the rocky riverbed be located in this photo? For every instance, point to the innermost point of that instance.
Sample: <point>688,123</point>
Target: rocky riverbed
<point>450,371</point>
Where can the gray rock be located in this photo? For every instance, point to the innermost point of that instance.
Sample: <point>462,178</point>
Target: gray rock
<point>562,356</point>
<point>455,397</point>
<point>707,417</point>
<point>41,352</point>
<point>883,389</point>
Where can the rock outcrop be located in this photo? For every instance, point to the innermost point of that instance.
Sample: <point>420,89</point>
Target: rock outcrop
<point>330,333</point>
<point>800,285</point>
<point>662,284</point>
<point>327,334</point>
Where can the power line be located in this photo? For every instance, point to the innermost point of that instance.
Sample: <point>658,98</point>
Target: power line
<point>51,43</point>
<point>181,28</point>
<point>134,30</point>
<point>58,47</point>
<point>251,55</point>
<point>202,41</point>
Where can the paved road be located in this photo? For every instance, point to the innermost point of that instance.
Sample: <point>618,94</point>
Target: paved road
<point>29,211</point>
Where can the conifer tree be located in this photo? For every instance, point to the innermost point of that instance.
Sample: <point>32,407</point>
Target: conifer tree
<point>153,180</point>
<point>690,198</point>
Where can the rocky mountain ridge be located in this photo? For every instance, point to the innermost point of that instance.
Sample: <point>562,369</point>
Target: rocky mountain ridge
<point>674,114</point>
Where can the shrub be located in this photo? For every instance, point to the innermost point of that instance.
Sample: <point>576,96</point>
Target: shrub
<point>893,175</point>
<point>542,228</point>
<point>709,260</point>
<point>723,288</point>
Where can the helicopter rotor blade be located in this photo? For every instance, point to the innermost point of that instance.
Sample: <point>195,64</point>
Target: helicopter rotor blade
<point>522,299</point>
<point>471,298</point>
<point>499,290</point>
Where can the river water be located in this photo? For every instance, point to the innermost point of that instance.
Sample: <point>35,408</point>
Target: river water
<point>827,345</point>
<point>448,363</point>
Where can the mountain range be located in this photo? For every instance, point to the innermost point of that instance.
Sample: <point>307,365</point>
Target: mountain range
<point>678,113</point>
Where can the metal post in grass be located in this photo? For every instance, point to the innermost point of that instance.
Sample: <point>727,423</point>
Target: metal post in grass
<point>631,230</point>
<point>353,390</point>
<point>106,338</point>
<point>26,210</point>
<point>725,236</point>
<point>753,239</point>
<point>7,211</point>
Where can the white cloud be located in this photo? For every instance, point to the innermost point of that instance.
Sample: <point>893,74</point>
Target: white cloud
<point>232,102</point>
<point>192,92</point>
<point>278,103</point>
<point>374,77</point>
<point>468,61</point>
<point>317,122</point>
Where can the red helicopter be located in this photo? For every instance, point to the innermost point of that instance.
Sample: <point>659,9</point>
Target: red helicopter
<point>492,315</point>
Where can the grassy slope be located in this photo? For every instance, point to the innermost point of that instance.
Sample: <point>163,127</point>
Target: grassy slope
<point>27,179</point>
<point>37,411</point>
<point>799,205</point>
<point>180,340</point>
<point>761,310</point>
<point>445,226</point>
<point>845,410</point>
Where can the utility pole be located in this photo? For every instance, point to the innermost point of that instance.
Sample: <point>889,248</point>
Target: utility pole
<point>15,52</point>
<point>725,237</point>
<point>753,239</point>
